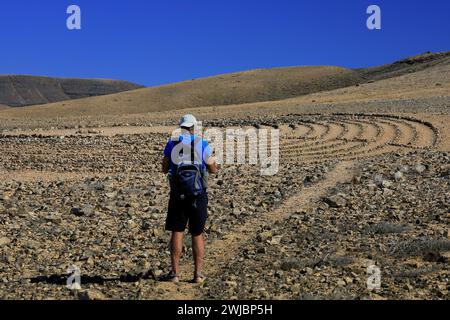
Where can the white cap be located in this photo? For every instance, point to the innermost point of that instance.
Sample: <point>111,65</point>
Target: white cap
<point>188,121</point>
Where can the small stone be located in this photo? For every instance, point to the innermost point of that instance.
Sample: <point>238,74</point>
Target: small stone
<point>88,210</point>
<point>236,212</point>
<point>158,272</point>
<point>54,218</point>
<point>420,168</point>
<point>4,241</point>
<point>408,287</point>
<point>398,176</point>
<point>404,169</point>
<point>232,284</point>
<point>264,236</point>
<point>386,184</point>
<point>132,224</point>
<point>323,206</point>
<point>341,283</point>
<point>348,280</point>
<point>111,195</point>
<point>275,240</point>
<point>356,179</point>
<point>376,296</point>
<point>336,201</point>
<point>90,261</point>
<point>156,232</point>
<point>378,179</point>
<point>92,294</point>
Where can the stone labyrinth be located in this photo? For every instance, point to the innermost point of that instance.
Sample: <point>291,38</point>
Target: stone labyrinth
<point>317,138</point>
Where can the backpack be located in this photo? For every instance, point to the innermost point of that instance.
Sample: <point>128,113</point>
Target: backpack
<point>188,177</point>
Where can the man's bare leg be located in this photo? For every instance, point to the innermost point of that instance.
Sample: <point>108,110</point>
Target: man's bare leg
<point>198,251</point>
<point>176,248</point>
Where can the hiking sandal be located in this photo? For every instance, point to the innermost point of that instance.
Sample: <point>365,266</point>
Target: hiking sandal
<point>171,277</point>
<point>199,278</point>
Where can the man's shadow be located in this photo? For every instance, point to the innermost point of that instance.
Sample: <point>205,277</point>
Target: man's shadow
<point>61,279</point>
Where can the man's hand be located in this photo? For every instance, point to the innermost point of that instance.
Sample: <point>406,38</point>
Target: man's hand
<point>165,165</point>
<point>211,165</point>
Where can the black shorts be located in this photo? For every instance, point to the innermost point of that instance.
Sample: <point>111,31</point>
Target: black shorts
<point>182,211</point>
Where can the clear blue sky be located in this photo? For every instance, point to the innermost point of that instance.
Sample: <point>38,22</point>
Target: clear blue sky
<point>154,42</point>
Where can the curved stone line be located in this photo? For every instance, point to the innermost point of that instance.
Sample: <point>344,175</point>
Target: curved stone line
<point>372,115</point>
<point>293,145</point>
<point>379,130</point>
<point>368,144</point>
<point>346,154</point>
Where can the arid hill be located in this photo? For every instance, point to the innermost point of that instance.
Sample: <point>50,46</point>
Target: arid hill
<point>408,65</point>
<point>314,84</point>
<point>19,91</point>
<point>235,88</point>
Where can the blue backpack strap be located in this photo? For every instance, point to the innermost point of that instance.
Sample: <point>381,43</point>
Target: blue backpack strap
<point>177,143</point>
<point>193,150</point>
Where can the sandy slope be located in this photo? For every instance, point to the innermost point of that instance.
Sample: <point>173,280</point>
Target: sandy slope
<point>249,86</point>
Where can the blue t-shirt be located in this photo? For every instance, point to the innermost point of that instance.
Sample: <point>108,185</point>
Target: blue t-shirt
<point>184,142</point>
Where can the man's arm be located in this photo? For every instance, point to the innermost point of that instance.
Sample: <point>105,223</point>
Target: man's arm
<point>166,159</point>
<point>210,160</point>
<point>211,165</point>
<point>165,165</point>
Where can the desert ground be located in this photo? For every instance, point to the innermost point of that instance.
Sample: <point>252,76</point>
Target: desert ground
<point>363,180</point>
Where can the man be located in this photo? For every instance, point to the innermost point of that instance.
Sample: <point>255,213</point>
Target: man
<point>190,209</point>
